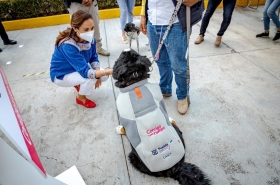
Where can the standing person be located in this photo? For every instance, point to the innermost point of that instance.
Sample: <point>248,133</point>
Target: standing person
<point>270,8</point>
<point>126,8</point>
<point>172,56</point>
<point>4,36</point>
<point>75,48</point>
<point>90,6</point>
<point>228,6</point>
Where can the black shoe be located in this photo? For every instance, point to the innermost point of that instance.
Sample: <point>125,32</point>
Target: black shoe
<point>0,50</point>
<point>9,42</point>
<point>277,36</point>
<point>264,34</point>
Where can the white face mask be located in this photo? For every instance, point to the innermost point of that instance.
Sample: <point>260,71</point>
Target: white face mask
<point>88,36</point>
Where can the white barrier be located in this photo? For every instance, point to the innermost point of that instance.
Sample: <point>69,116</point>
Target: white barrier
<point>14,169</point>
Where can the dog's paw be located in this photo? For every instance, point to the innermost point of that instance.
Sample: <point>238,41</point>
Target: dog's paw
<point>171,119</point>
<point>119,129</point>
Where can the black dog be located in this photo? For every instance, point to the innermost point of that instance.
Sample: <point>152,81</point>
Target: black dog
<point>145,122</point>
<point>132,31</point>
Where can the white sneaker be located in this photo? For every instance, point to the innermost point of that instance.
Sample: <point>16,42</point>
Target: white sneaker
<point>124,39</point>
<point>103,52</point>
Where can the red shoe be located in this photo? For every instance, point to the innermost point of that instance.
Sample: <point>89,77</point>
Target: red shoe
<point>77,88</point>
<point>88,103</point>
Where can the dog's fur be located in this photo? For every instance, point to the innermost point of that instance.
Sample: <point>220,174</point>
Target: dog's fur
<point>132,31</point>
<point>126,65</point>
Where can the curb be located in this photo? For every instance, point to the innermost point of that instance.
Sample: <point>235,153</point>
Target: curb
<point>59,19</point>
<point>103,14</point>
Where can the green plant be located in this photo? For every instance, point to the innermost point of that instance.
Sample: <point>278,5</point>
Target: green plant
<point>22,9</point>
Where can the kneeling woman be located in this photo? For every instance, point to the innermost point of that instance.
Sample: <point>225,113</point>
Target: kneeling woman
<point>74,50</point>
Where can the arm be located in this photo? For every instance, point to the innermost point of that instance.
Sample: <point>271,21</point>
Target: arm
<point>77,61</point>
<point>143,27</point>
<point>94,63</point>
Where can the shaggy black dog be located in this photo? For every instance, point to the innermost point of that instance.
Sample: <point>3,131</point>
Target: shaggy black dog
<point>129,69</point>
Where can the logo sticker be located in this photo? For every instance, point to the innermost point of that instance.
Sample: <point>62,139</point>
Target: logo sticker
<point>164,147</point>
<point>155,152</point>
<point>155,131</point>
<point>168,155</point>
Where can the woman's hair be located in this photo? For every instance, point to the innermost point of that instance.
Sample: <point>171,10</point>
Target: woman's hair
<point>77,19</point>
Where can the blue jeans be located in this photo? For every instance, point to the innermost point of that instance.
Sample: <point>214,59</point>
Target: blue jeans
<point>126,8</point>
<point>228,6</point>
<point>172,58</point>
<point>270,8</point>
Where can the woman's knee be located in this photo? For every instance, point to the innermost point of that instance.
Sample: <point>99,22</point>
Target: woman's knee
<point>265,14</point>
<point>207,15</point>
<point>89,82</point>
<point>227,19</point>
<point>270,12</point>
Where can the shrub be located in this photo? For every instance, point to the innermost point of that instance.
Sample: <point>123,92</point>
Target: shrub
<point>22,9</point>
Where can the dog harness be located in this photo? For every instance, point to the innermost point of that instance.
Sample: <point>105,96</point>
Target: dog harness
<point>144,117</point>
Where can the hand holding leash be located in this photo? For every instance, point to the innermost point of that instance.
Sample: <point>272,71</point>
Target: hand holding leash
<point>143,27</point>
<point>189,3</point>
<point>87,2</point>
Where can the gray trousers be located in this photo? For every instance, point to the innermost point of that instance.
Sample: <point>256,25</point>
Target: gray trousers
<point>93,10</point>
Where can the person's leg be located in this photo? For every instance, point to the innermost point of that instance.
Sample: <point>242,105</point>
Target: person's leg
<point>85,87</point>
<point>271,12</point>
<point>5,37</point>
<point>124,10</point>
<point>75,79</point>
<point>93,10</point>
<point>95,16</point>
<point>154,34</point>
<point>228,9</point>
<point>227,14</point>
<point>212,5</point>
<point>130,6</point>
<point>3,32</point>
<point>176,44</point>
<point>266,20</point>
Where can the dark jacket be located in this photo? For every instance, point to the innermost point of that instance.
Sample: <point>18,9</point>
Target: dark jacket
<point>67,3</point>
<point>196,13</point>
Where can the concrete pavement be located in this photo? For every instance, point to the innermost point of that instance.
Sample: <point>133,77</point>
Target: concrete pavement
<point>231,129</point>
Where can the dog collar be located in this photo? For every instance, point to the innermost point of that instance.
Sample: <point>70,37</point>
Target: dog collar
<point>132,86</point>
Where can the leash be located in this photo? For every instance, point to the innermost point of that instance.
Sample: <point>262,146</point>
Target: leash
<point>156,57</point>
<point>188,19</point>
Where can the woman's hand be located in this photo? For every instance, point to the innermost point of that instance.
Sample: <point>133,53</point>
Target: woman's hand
<point>98,83</point>
<point>189,3</point>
